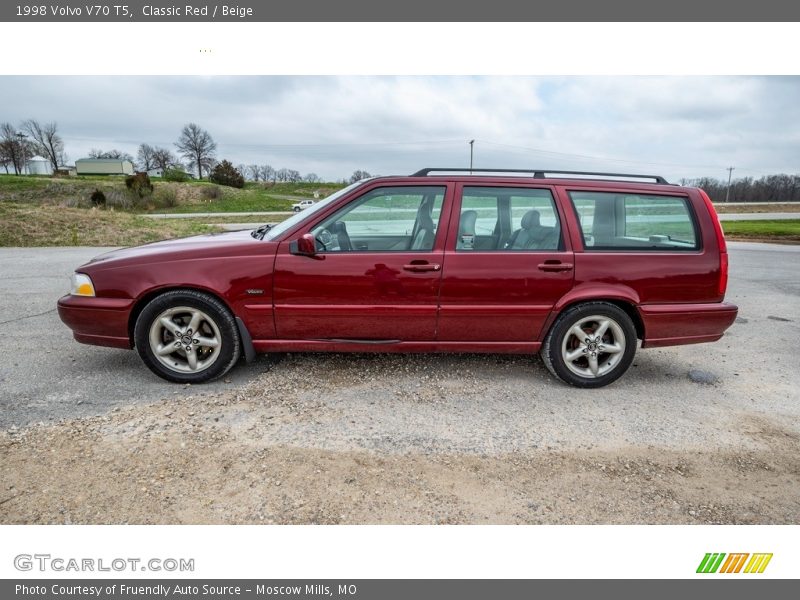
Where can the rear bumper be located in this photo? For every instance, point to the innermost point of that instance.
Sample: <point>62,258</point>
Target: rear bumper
<point>97,321</point>
<point>677,324</point>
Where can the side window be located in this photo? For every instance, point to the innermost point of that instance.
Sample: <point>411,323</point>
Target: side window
<point>508,219</point>
<point>391,219</point>
<point>614,221</point>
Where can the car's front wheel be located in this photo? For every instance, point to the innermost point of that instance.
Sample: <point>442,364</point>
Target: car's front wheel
<point>187,336</point>
<point>590,345</point>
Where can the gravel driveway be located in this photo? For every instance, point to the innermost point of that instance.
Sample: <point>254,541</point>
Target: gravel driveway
<point>706,433</point>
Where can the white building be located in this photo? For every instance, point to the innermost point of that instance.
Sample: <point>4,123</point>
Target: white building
<point>103,166</point>
<point>39,166</point>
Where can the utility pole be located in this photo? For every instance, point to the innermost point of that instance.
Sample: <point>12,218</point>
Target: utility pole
<point>471,144</point>
<point>728,189</point>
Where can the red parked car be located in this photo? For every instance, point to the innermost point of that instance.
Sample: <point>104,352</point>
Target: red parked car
<point>575,266</point>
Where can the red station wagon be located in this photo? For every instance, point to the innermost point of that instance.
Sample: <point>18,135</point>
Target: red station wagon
<point>576,266</point>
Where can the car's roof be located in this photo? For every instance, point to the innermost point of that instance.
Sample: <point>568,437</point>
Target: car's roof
<point>534,181</point>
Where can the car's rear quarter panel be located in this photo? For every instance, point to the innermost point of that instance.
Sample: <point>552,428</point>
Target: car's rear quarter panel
<point>676,293</point>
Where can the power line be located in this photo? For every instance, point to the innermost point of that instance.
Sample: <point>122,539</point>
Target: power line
<point>600,158</point>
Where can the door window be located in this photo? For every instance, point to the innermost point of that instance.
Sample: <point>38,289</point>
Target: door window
<point>508,219</point>
<point>390,219</point>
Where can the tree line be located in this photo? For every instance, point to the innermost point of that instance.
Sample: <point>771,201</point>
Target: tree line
<point>769,188</point>
<point>198,149</point>
<point>195,145</point>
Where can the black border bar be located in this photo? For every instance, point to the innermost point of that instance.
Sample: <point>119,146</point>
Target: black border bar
<point>701,588</point>
<point>149,11</point>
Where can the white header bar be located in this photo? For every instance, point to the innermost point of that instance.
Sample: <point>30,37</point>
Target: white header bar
<point>382,48</point>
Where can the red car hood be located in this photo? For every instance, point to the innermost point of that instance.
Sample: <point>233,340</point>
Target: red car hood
<point>202,244</point>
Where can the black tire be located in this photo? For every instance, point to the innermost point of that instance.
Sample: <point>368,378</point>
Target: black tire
<point>555,346</point>
<point>296,209</point>
<point>228,350</point>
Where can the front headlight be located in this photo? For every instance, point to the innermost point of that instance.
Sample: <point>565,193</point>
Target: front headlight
<point>81,285</point>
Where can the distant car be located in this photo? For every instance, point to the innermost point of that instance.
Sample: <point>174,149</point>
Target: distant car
<point>302,205</point>
<point>576,267</point>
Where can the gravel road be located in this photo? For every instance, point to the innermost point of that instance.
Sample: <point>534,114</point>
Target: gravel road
<point>694,434</point>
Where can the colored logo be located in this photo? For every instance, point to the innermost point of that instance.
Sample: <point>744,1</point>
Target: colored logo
<point>734,563</point>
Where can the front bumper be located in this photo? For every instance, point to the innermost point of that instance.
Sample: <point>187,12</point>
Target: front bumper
<point>97,321</point>
<point>677,324</point>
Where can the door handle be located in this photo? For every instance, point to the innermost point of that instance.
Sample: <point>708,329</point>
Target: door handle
<point>422,267</point>
<point>555,266</point>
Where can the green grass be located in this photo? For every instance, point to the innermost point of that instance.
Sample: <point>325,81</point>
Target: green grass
<point>23,182</point>
<point>27,225</point>
<point>190,196</point>
<point>233,200</point>
<point>782,230</point>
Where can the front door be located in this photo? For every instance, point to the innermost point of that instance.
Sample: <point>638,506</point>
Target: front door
<point>376,273</point>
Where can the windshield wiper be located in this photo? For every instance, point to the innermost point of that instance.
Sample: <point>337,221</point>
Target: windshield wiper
<point>260,232</point>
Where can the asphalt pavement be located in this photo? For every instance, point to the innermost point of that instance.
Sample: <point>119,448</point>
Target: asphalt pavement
<point>46,376</point>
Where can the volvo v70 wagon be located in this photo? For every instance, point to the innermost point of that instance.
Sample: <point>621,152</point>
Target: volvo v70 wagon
<point>579,267</point>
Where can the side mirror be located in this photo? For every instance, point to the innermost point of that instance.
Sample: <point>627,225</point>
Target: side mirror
<point>305,245</point>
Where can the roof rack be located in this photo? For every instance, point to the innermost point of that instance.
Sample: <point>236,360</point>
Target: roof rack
<point>539,173</point>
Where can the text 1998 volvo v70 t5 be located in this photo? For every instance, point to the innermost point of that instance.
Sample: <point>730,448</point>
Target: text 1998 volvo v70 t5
<point>576,266</point>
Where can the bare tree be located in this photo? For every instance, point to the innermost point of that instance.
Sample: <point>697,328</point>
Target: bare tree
<point>144,157</point>
<point>243,170</point>
<point>163,159</point>
<point>197,146</point>
<point>7,153</point>
<point>113,153</point>
<point>46,140</point>
<point>312,178</point>
<point>254,172</point>
<point>359,175</point>
<point>294,176</point>
<point>14,148</point>
<point>268,173</point>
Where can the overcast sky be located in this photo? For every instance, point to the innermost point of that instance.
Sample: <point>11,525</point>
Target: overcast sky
<point>677,127</point>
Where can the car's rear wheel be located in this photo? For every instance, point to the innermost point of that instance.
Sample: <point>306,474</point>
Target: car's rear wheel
<point>187,336</point>
<point>590,345</point>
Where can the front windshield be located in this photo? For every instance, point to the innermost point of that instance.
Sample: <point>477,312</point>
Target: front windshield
<point>278,229</point>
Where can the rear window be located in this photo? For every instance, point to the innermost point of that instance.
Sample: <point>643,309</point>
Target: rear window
<point>614,221</point>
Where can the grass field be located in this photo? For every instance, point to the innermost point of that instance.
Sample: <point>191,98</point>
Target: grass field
<point>167,197</point>
<point>783,230</point>
<point>22,225</point>
<point>58,211</point>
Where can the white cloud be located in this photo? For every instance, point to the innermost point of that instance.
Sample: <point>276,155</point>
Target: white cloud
<point>679,126</point>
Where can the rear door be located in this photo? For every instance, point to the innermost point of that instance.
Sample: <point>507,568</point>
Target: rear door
<point>377,272</point>
<point>507,263</point>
